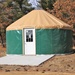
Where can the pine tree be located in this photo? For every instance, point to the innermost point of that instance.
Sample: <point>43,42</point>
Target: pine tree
<point>47,4</point>
<point>18,8</point>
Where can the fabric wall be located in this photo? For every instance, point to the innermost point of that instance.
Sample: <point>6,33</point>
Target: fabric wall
<point>53,41</point>
<point>14,42</point>
<point>48,41</point>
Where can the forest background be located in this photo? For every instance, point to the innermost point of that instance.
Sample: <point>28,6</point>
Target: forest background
<point>11,10</point>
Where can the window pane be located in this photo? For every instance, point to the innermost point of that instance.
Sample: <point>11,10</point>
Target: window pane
<point>29,35</point>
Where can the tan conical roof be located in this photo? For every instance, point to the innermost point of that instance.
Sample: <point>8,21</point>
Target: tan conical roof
<point>38,19</point>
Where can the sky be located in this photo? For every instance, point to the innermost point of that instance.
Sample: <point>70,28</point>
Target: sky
<point>34,3</point>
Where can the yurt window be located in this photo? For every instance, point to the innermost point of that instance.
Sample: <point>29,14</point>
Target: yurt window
<point>29,35</point>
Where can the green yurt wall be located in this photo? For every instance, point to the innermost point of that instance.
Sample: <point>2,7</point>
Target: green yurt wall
<point>53,41</point>
<point>14,42</point>
<point>48,41</point>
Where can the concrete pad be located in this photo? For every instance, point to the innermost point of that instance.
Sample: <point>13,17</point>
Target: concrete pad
<point>24,60</point>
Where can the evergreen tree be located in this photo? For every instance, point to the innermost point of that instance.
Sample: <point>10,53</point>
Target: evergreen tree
<point>47,4</point>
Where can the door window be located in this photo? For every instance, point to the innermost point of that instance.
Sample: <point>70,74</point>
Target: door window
<point>29,35</point>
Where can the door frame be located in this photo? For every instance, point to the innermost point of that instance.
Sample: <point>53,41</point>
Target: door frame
<point>23,41</point>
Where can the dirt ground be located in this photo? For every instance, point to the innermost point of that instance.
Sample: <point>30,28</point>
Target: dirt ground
<point>35,73</point>
<point>58,65</point>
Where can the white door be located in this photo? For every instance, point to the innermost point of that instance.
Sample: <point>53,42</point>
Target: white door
<point>29,42</point>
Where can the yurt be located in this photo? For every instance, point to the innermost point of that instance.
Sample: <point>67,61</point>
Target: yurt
<point>38,32</point>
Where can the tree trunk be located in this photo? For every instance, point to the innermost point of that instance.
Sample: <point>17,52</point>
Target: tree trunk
<point>1,39</point>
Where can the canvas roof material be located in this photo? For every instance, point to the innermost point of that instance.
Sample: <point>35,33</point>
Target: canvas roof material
<point>38,19</point>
